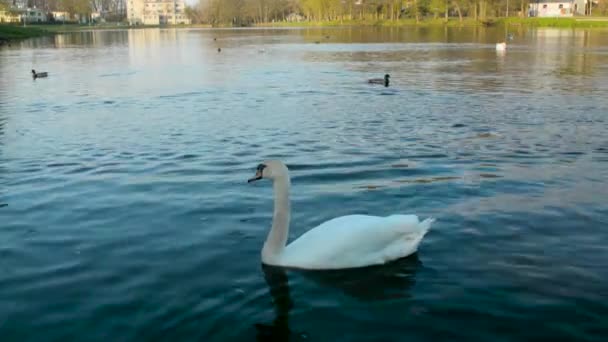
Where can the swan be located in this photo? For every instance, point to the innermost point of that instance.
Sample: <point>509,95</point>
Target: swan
<point>384,80</point>
<point>36,75</point>
<point>343,242</point>
<point>501,46</point>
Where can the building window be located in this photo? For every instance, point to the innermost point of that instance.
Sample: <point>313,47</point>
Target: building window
<point>561,6</point>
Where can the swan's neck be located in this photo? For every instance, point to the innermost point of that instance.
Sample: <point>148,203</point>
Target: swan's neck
<point>277,238</point>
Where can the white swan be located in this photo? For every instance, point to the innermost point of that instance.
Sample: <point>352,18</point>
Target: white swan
<point>343,242</point>
<point>501,46</point>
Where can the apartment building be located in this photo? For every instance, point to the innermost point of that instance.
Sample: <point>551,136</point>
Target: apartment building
<point>156,12</point>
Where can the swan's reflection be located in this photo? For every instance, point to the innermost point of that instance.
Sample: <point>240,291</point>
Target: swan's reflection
<point>374,283</point>
<point>278,283</point>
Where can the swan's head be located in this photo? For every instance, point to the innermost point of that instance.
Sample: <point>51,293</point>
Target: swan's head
<point>270,169</point>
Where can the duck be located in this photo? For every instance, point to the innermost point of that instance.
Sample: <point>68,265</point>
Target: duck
<point>345,242</point>
<point>36,75</point>
<point>219,50</point>
<point>384,80</point>
<point>501,46</point>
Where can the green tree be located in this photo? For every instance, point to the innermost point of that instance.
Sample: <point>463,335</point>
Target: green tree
<point>437,7</point>
<point>5,5</point>
<point>81,7</point>
<point>194,14</point>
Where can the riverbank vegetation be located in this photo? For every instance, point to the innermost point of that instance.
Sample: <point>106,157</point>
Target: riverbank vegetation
<point>513,21</point>
<point>374,12</point>
<point>279,13</point>
<point>12,32</point>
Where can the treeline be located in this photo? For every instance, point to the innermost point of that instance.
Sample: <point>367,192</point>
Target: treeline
<point>113,10</point>
<point>246,12</point>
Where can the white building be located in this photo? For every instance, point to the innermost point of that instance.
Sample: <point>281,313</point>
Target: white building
<point>156,12</point>
<point>34,15</point>
<point>557,8</point>
<point>551,8</point>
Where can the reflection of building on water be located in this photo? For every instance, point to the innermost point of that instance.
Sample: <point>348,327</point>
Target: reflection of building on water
<point>89,38</point>
<point>156,12</point>
<point>561,53</point>
<point>138,42</point>
<point>143,43</point>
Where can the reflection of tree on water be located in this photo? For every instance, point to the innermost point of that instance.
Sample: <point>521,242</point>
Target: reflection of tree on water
<point>375,283</point>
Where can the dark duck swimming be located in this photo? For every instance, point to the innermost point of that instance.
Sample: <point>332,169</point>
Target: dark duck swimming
<point>36,75</point>
<point>384,80</point>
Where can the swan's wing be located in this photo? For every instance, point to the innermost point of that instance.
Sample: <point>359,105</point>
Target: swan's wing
<point>355,241</point>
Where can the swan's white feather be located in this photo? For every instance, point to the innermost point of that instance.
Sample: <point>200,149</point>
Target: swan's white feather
<point>344,242</point>
<point>355,241</point>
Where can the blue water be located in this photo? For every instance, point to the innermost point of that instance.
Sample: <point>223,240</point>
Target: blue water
<point>125,213</point>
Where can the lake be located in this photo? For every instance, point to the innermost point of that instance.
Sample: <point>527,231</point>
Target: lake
<point>125,212</point>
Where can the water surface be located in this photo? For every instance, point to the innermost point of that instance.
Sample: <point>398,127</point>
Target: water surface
<point>125,213</point>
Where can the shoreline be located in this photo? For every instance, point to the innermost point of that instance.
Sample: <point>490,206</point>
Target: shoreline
<point>572,22</point>
<point>10,33</point>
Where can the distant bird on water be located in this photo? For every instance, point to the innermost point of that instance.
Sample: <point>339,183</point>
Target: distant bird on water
<point>384,80</point>
<point>501,46</point>
<point>36,75</point>
<point>219,50</point>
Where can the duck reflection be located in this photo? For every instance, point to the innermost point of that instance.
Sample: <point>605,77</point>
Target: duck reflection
<point>376,283</point>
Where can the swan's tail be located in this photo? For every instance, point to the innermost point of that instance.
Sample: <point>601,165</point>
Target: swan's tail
<point>413,238</point>
<point>426,224</point>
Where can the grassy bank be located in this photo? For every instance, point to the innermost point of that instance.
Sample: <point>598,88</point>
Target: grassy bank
<point>575,22</point>
<point>401,22</point>
<point>12,32</point>
<point>63,28</point>
<point>59,28</point>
